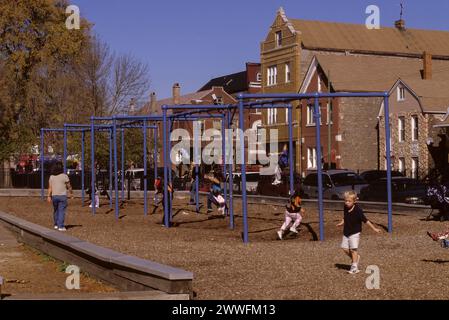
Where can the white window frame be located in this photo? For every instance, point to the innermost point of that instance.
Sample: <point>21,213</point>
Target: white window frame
<point>310,115</point>
<point>272,73</point>
<point>401,93</point>
<point>415,167</point>
<point>272,115</point>
<point>278,38</point>
<point>288,75</point>
<point>401,129</point>
<point>311,158</point>
<point>415,128</point>
<point>401,165</point>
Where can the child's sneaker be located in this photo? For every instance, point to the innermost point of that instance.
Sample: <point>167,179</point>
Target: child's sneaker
<point>209,210</point>
<point>293,230</point>
<point>62,229</point>
<point>353,270</point>
<point>55,227</point>
<point>279,234</point>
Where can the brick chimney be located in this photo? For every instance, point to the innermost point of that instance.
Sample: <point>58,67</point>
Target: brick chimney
<point>153,100</point>
<point>427,66</point>
<point>400,24</point>
<point>176,93</point>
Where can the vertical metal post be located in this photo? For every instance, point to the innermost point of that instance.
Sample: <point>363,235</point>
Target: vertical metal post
<point>123,162</point>
<point>388,150</point>
<point>223,151</point>
<point>164,148</point>
<point>170,178</point>
<point>290,148</point>
<point>145,180</point>
<point>231,177</point>
<point>82,166</point>
<point>317,117</point>
<point>110,167</point>
<point>64,161</point>
<point>93,169</point>
<point>42,164</point>
<point>155,161</point>
<point>242,151</point>
<point>114,134</point>
<point>196,161</point>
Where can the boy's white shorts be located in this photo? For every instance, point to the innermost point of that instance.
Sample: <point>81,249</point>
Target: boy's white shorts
<point>351,242</point>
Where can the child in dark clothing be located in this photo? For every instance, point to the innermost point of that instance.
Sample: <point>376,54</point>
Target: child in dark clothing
<point>292,213</point>
<point>352,222</point>
<point>159,187</point>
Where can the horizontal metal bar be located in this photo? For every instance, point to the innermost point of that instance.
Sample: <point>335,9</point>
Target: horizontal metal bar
<point>199,107</point>
<point>299,96</point>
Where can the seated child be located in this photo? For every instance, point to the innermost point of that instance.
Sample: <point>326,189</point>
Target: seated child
<point>215,196</point>
<point>292,213</point>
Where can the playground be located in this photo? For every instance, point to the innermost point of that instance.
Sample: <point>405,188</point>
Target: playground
<point>411,265</point>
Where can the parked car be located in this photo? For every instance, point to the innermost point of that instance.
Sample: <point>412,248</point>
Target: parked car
<point>373,175</point>
<point>403,190</point>
<point>335,184</point>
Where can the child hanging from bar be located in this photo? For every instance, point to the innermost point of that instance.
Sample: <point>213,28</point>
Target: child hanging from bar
<point>293,213</point>
<point>159,189</point>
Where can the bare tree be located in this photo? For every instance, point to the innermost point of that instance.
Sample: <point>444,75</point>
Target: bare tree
<point>95,71</point>
<point>129,80</point>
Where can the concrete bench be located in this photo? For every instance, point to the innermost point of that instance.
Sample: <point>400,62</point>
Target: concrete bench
<point>122,271</point>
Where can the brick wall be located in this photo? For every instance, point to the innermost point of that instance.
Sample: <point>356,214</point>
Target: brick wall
<point>358,129</point>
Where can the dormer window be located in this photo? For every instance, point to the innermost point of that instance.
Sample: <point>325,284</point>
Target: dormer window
<point>401,93</point>
<point>278,38</point>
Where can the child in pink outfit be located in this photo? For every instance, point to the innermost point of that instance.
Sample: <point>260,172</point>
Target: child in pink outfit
<point>292,214</point>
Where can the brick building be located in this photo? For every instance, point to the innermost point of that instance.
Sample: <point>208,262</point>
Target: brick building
<point>309,56</point>
<point>419,110</point>
<point>204,97</point>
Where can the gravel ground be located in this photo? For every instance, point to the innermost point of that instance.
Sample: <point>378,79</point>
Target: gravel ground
<point>411,265</point>
<point>26,270</point>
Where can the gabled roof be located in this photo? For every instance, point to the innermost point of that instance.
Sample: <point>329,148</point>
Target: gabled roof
<point>358,38</point>
<point>360,73</point>
<point>433,96</point>
<point>231,83</point>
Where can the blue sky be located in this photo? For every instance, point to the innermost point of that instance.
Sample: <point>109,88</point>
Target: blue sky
<point>191,42</point>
